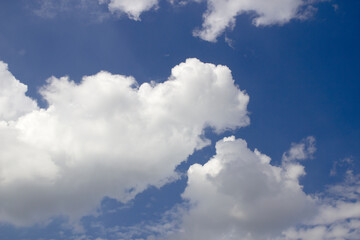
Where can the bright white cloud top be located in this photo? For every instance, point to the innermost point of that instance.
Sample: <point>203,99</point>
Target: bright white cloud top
<point>106,136</point>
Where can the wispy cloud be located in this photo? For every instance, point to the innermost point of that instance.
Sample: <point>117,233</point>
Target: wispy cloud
<point>58,8</point>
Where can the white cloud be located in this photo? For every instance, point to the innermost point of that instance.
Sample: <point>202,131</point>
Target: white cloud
<point>343,163</point>
<point>13,101</point>
<point>221,14</point>
<point>300,151</point>
<point>338,216</point>
<point>133,8</point>
<point>106,136</point>
<point>238,194</point>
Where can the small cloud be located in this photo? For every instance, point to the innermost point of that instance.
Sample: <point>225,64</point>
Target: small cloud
<point>229,42</point>
<point>307,13</point>
<point>341,164</point>
<point>57,8</point>
<point>300,151</point>
<point>132,8</point>
<point>178,2</point>
<point>335,7</point>
<point>103,1</point>
<point>22,52</point>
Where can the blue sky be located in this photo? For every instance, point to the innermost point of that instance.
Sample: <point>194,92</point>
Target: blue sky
<point>117,157</point>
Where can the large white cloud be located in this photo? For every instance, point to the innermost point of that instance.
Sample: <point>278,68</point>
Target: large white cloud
<point>238,194</point>
<point>106,136</point>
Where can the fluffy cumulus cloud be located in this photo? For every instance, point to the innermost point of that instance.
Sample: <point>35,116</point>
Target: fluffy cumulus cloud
<point>110,136</point>
<point>105,136</point>
<point>133,8</point>
<point>238,194</point>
